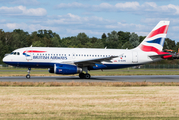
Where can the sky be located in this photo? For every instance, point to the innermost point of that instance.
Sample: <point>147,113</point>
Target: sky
<point>93,17</point>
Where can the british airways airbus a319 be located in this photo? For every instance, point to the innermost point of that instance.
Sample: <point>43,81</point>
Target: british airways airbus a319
<point>80,60</point>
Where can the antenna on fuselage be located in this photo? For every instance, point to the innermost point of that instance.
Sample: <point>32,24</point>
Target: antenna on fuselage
<point>31,46</point>
<point>105,47</point>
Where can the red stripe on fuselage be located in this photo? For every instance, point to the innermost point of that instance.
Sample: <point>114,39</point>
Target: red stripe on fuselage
<point>161,30</point>
<point>34,51</point>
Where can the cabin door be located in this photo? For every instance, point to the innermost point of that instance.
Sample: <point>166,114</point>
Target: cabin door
<point>134,57</point>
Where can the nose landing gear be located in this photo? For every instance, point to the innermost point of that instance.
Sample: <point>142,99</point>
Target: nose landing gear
<point>28,75</point>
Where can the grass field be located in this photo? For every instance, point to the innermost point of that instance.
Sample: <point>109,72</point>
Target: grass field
<point>92,102</point>
<point>44,72</point>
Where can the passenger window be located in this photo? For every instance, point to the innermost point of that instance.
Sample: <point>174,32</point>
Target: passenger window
<point>56,54</point>
<point>85,55</point>
<point>65,54</point>
<point>69,54</point>
<point>79,54</point>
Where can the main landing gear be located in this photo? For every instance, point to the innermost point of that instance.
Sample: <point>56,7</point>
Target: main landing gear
<point>83,75</point>
<point>28,75</point>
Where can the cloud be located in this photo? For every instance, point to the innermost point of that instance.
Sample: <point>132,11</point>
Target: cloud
<point>127,5</point>
<point>66,25</point>
<point>21,2</point>
<point>28,27</point>
<point>71,24</point>
<point>3,21</point>
<point>71,19</point>
<point>125,26</point>
<point>22,11</point>
<point>71,5</point>
<point>94,26</point>
<point>147,8</point>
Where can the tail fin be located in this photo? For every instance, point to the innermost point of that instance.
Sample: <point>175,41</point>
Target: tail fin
<point>155,39</point>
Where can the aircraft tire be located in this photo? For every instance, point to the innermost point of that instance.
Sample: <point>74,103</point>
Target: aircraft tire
<point>82,75</point>
<point>87,76</point>
<point>28,76</point>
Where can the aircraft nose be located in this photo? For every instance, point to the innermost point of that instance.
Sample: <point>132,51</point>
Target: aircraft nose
<point>4,59</point>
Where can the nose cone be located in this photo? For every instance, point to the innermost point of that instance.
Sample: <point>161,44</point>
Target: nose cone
<point>4,59</point>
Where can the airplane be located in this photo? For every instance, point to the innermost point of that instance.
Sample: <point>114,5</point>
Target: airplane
<point>68,61</point>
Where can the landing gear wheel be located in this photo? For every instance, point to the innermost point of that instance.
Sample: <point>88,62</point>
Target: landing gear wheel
<point>28,76</point>
<point>82,75</point>
<point>87,76</point>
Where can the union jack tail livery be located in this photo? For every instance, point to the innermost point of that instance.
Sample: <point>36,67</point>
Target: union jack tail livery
<point>155,39</point>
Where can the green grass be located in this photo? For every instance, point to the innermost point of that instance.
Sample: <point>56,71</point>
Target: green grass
<point>116,72</point>
<point>89,102</point>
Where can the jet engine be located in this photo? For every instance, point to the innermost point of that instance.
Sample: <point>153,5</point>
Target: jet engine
<point>65,69</point>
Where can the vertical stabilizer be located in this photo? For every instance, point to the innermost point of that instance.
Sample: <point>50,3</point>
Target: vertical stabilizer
<point>155,39</point>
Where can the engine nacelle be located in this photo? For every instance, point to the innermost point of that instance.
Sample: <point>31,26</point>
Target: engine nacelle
<point>51,70</point>
<point>66,69</point>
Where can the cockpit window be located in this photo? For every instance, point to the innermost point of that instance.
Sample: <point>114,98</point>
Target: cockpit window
<point>15,53</point>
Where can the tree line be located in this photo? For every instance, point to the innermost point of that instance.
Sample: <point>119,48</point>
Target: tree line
<point>10,41</point>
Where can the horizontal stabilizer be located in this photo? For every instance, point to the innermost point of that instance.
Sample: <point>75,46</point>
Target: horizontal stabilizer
<point>164,56</point>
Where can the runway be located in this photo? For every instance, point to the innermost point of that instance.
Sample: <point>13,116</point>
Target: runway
<point>134,78</point>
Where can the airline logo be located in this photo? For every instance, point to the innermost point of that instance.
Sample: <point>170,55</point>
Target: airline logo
<point>32,51</point>
<point>157,42</point>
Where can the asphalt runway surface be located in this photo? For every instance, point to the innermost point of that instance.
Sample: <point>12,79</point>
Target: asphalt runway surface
<point>133,78</point>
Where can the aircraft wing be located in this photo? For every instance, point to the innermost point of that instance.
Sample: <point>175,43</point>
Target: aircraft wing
<point>92,62</point>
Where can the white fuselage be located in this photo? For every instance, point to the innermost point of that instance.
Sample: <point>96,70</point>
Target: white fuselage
<point>44,57</point>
